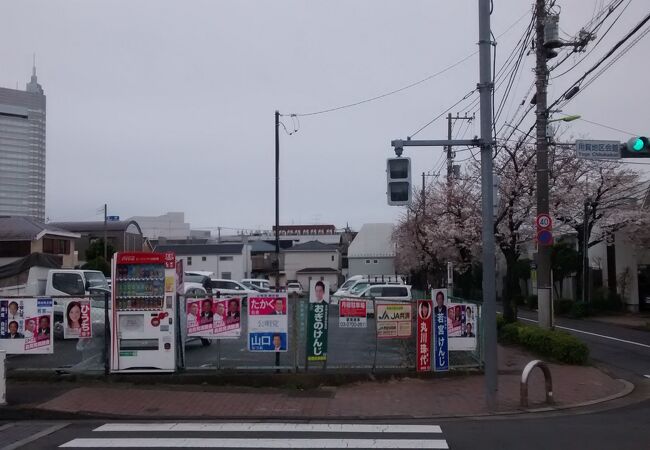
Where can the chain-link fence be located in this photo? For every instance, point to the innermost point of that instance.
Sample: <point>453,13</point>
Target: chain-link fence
<point>348,349</point>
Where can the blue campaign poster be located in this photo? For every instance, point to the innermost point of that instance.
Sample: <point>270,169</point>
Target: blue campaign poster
<point>441,347</point>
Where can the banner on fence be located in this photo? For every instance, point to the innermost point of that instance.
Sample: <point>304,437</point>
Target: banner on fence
<point>77,322</point>
<point>393,320</point>
<point>317,332</point>
<point>462,319</point>
<point>26,326</point>
<point>353,313</point>
<point>267,323</point>
<point>440,337</point>
<point>218,318</point>
<point>423,343</point>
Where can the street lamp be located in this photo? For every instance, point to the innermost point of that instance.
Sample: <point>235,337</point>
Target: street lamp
<point>549,130</point>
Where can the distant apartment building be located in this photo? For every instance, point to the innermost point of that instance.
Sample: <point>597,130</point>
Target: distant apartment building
<point>22,151</point>
<point>170,226</point>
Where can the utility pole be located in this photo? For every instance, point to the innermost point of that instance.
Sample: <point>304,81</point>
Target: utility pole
<point>545,316</point>
<point>277,201</point>
<point>485,87</point>
<point>450,153</point>
<point>105,232</point>
<point>585,249</point>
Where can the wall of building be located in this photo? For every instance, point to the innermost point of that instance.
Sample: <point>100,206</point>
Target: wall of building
<point>171,226</point>
<point>368,266</point>
<point>294,261</point>
<point>223,266</point>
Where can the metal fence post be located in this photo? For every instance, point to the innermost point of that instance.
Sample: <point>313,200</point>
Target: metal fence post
<point>3,380</point>
<point>107,335</point>
<point>374,309</point>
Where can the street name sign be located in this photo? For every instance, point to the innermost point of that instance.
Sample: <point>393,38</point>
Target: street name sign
<point>590,149</point>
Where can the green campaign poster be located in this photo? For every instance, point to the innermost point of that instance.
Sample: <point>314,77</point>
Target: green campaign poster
<point>317,332</point>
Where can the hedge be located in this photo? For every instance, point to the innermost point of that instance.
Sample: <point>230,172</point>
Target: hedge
<point>558,345</point>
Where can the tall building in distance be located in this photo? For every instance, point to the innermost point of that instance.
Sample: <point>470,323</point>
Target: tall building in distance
<point>22,151</point>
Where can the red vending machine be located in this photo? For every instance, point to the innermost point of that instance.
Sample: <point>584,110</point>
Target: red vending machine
<point>143,312</point>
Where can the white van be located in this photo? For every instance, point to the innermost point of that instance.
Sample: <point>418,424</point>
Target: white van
<point>359,282</point>
<point>383,293</point>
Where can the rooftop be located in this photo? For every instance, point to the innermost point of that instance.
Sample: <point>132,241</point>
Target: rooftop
<point>19,228</point>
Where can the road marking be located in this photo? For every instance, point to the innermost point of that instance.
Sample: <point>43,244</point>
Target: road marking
<point>255,443</point>
<point>647,376</point>
<point>592,334</point>
<point>271,427</point>
<point>35,436</point>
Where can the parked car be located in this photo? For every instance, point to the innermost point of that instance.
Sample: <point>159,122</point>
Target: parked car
<point>383,293</point>
<point>230,287</point>
<point>265,285</point>
<point>294,289</point>
<point>254,287</point>
<point>356,281</point>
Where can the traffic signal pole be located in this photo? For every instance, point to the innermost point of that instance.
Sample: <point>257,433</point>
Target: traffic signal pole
<point>545,316</point>
<point>485,87</point>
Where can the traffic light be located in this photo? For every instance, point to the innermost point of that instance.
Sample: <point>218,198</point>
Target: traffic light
<point>398,174</point>
<point>636,147</point>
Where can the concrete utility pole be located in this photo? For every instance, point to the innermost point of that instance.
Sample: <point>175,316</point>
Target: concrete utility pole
<point>277,201</point>
<point>485,87</point>
<point>105,232</point>
<point>545,315</point>
<point>450,153</point>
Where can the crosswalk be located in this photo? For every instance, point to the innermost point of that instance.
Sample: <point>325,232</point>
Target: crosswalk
<point>229,435</point>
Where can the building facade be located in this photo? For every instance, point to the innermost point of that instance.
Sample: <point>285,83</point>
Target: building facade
<point>226,261</point>
<point>22,151</point>
<point>313,260</point>
<point>372,252</point>
<point>171,226</point>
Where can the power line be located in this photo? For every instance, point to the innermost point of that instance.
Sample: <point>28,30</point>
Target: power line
<point>469,94</point>
<point>408,86</point>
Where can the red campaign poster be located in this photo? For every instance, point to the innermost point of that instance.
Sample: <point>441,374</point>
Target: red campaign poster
<point>423,335</point>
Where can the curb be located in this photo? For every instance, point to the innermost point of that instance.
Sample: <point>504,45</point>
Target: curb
<point>31,413</point>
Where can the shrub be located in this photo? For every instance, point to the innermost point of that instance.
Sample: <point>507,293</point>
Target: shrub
<point>558,345</point>
<point>562,306</point>
<point>603,300</point>
<point>531,302</point>
<point>578,310</point>
<point>500,322</point>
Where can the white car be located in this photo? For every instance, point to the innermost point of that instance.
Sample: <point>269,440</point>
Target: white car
<point>383,293</point>
<point>230,287</point>
<point>294,288</point>
<point>264,285</point>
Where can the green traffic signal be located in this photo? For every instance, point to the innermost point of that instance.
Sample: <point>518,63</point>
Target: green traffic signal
<point>638,144</point>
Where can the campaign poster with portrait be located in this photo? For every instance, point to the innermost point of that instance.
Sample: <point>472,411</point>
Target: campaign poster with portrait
<point>214,318</point>
<point>267,323</point>
<point>26,325</point>
<point>423,343</point>
<point>319,291</point>
<point>462,321</point>
<point>77,321</point>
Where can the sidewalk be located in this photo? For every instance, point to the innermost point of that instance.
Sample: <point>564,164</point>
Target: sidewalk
<point>406,397</point>
<point>636,321</point>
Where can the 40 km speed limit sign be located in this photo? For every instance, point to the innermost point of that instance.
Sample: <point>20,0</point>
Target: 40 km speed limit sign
<point>544,222</point>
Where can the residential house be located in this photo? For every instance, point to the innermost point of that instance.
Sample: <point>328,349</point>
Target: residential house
<point>22,236</point>
<point>313,260</point>
<point>372,252</point>
<point>226,261</point>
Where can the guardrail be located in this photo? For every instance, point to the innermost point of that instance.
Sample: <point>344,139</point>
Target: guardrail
<point>548,380</point>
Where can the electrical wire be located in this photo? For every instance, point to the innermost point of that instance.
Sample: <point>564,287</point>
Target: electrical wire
<point>469,94</point>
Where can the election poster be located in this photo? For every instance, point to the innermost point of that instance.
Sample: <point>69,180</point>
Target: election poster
<point>440,337</point>
<point>462,320</point>
<point>26,325</point>
<point>319,291</point>
<point>216,318</point>
<point>423,343</point>
<point>393,320</point>
<point>77,322</point>
<point>267,323</point>
<point>353,313</point>
<point>317,332</point>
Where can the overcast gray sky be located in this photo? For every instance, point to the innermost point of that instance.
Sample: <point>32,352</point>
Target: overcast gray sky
<point>157,106</point>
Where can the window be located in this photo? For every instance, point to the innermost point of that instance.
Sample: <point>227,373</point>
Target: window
<point>204,258</point>
<point>374,261</point>
<point>56,246</point>
<point>226,275</point>
<point>367,261</point>
<point>225,258</point>
<point>373,292</point>
<point>332,258</point>
<point>10,249</point>
<point>70,283</point>
<point>394,291</point>
<point>189,260</point>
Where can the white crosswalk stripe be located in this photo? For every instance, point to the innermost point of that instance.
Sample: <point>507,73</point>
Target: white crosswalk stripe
<point>263,435</point>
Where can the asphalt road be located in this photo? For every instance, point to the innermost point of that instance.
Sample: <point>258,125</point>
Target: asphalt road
<point>624,351</point>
